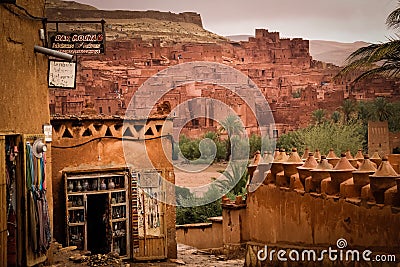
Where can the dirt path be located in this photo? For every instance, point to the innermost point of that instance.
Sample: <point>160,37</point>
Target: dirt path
<point>197,177</point>
<point>187,256</point>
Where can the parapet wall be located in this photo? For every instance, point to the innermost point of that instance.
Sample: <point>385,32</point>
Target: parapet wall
<point>281,218</point>
<point>201,235</point>
<point>310,219</point>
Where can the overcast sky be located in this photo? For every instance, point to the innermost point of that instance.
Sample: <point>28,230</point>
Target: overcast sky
<point>336,20</point>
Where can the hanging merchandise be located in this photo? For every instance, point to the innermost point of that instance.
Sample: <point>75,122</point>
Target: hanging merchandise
<point>10,171</point>
<point>38,212</point>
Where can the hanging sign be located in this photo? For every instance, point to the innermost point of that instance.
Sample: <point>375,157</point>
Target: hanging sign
<point>78,43</point>
<point>62,74</point>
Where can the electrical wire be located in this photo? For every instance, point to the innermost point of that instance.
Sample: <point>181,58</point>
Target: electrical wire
<point>111,137</point>
<point>27,15</point>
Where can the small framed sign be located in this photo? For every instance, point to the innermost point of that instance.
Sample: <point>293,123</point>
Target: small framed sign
<point>48,132</point>
<point>62,74</point>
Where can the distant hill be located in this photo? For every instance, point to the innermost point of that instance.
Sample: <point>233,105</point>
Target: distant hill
<point>325,51</point>
<point>238,38</point>
<point>125,24</point>
<point>333,52</point>
<point>68,5</point>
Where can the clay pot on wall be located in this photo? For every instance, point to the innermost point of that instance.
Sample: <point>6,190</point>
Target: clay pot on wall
<point>305,169</point>
<point>332,158</point>
<point>320,173</point>
<point>306,154</point>
<point>276,166</point>
<point>290,166</point>
<point>342,172</point>
<point>383,179</point>
<point>361,175</point>
<point>352,160</point>
<point>375,158</point>
<point>317,155</point>
<point>359,156</point>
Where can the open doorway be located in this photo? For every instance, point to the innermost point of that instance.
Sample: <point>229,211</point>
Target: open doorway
<point>97,223</point>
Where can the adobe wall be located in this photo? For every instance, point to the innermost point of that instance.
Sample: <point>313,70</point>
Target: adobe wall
<point>286,219</point>
<point>103,147</point>
<point>378,137</point>
<point>235,224</point>
<point>201,235</point>
<point>24,105</point>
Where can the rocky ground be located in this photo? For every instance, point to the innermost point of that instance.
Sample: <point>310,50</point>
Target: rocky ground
<point>187,256</point>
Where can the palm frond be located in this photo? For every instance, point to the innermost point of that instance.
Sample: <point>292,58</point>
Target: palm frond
<point>393,20</point>
<point>388,70</point>
<point>368,60</point>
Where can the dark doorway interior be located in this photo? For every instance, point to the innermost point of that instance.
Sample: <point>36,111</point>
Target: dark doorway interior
<point>97,221</point>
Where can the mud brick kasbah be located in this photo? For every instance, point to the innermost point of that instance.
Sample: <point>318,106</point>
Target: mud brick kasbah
<point>293,83</point>
<point>84,165</point>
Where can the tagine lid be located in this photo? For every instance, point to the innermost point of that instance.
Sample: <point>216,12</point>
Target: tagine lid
<point>359,155</point>
<point>294,158</point>
<point>324,165</point>
<point>267,157</point>
<point>331,154</point>
<point>306,154</point>
<point>310,163</point>
<point>282,157</point>
<point>344,164</point>
<point>256,159</point>
<point>317,154</point>
<point>366,166</point>
<point>375,155</point>
<point>385,169</point>
<point>348,154</point>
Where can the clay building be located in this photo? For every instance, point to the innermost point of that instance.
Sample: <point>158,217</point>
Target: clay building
<point>282,69</point>
<point>24,113</point>
<point>113,185</point>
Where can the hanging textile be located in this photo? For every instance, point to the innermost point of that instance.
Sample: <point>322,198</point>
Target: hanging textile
<point>38,212</point>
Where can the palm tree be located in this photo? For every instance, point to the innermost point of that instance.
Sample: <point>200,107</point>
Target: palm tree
<point>348,108</point>
<point>364,111</point>
<point>335,117</point>
<point>377,59</point>
<point>382,109</point>
<point>233,127</point>
<point>235,179</point>
<point>318,116</point>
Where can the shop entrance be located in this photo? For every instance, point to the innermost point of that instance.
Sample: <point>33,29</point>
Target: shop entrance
<point>97,222</point>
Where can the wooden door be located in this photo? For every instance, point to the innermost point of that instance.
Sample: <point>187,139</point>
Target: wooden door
<point>148,211</point>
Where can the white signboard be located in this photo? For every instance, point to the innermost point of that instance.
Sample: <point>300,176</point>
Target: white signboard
<point>62,74</point>
<point>48,132</point>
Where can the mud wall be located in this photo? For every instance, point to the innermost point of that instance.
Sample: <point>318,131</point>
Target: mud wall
<point>87,143</point>
<point>24,107</point>
<point>201,235</point>
<point>281,218</point>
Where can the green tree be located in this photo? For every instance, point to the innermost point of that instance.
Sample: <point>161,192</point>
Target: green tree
<point>233,127</point>
<point>394,120</point>
<point>382,109</point>
<point>318,116</point>
<point>377,59</point>
<point>324,136</point>
<point>192,209</point>
<point>335,117</point>
<point>348,108</point>
<point>364,111</point>
<point>235,178</point>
